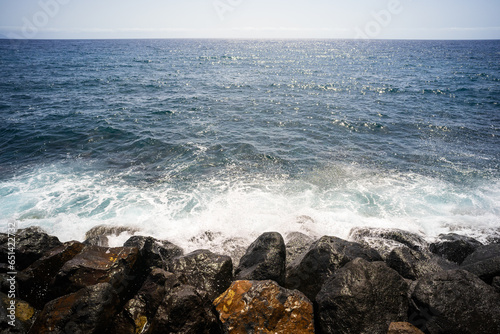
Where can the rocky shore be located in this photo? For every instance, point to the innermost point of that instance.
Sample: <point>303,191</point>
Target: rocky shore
<point>380,281</point>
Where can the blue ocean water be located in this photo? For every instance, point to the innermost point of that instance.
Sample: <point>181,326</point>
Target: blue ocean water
<point>179,137</point>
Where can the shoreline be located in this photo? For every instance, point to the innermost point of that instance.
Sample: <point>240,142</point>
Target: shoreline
<point>382,281</point>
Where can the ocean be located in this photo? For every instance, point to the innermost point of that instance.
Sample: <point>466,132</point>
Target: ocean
<point>205,142</point>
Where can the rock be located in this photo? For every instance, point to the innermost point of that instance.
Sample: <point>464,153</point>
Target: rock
<point>297,244</point>
<point>17,317</point>
<point>97,240</point>
<point>185,310</point>
<point>496,283</point>
<point>413,264</point>
<point>264,260</point>
<point>455,301</point>
<point>30,244</point>
<point>95,265</point>
<point>34,281</point>
<point>362,297</point>
<point>138,313</point>
<point>106,230</point>
<point>484,262</point>
<point>403,328</point>
<point>87,311</point>
<point>408,239</point>
<point>326,255</point>
<point>264,307</point>
<point>153,252</point>
<point>454,247</point>
<point>204,270</point>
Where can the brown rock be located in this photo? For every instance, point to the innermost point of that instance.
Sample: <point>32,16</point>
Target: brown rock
<point>95,265</point>
<point>17,317</point>
<point>264,307</point>
<point>403,328</point>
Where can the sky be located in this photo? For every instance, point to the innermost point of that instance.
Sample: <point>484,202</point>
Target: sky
<point>380,19</point>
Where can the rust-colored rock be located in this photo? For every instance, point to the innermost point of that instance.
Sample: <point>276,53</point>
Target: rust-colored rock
<point>35,280</point>
<point>264,307</point>
<point>95,265</point>
<point>403,328</point>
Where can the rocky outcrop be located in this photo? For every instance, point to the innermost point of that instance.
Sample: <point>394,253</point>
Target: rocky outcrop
<point>297,244</point>
<point>16,317</point>
<point>362,297</point>
<point>403,328</point>
<point>414,264</point>
<point>454,247</point>
<point>88,310</point>
<point>308,272</point>
<point>455,301</point>
<point>264,260</point>
<point>204,270</point>
<point>153,252</point>
<point>98,235</point>
<point>484,262</point>
<point>264,307</point>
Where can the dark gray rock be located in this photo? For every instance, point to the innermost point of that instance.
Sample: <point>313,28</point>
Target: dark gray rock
<point>484,262</point>
<point>308,272</point>
<point>496,283</point>
<point>17,317</point>
<point>455,301</point>
<point>208,272</point>
<point>408,239</point>
<point>454,247</point>
<point>88,310</point>
<point>414,264</point>
<point>264,260</point>
<point>296,245</point>
<point>186,310</point>
<point>30,244</point>
<point>362,297</point>
<point>138,313</point>
<point>153,252</point>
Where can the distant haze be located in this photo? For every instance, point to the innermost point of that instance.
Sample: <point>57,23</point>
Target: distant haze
<point>389,19</point>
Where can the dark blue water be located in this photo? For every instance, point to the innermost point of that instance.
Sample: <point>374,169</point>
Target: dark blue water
<point>179,137</point>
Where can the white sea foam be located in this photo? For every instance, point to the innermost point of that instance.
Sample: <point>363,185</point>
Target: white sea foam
<point>235,210</point>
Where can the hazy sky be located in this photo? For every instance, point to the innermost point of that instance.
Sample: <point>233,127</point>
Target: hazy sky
<point>403,19</point>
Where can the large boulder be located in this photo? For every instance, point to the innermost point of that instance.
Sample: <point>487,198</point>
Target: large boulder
<point>35,281</point>
<point>455,301</point>
<point>208,272</point>
<point>95,265</point>
<point>185,310</point>
<point>88,310</point>
<point>454,247</point>
<point>264,307</point>
<point>297,243</point>
<point>16,315</point>
<point>414,264</point>
<point>484,262</point>
<point>30,244</point>
<point>153,252</point>
<point>98,235</point>
<point>326,255</point>
<point>264,260</point>
<point>138,312</point>
<point>362,297</point>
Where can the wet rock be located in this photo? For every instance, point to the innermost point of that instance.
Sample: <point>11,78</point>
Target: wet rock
<point>454,247</point>
<point>95,265</point>
<point>185,309</point>
<point>326,255</point>
<point>153,252</point>
<point>35,280</point>
<point>455,301</point>
<point>138,313</point>
<point>408,239</point>
<point>97,240</point>
<point>362,297</point>
<point>496,283</point>
<point>264,259</point>
<point>234,249</point>
<point>297,244</point>
<point>403,328</point>
<point>104,231</point>
<point>88,310</point>
<point>413,264</point>
<point>264,307</point>
<point>30,244</point>
<point>204,270</point>
<point>484,262</point>
<point>16,316</point>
